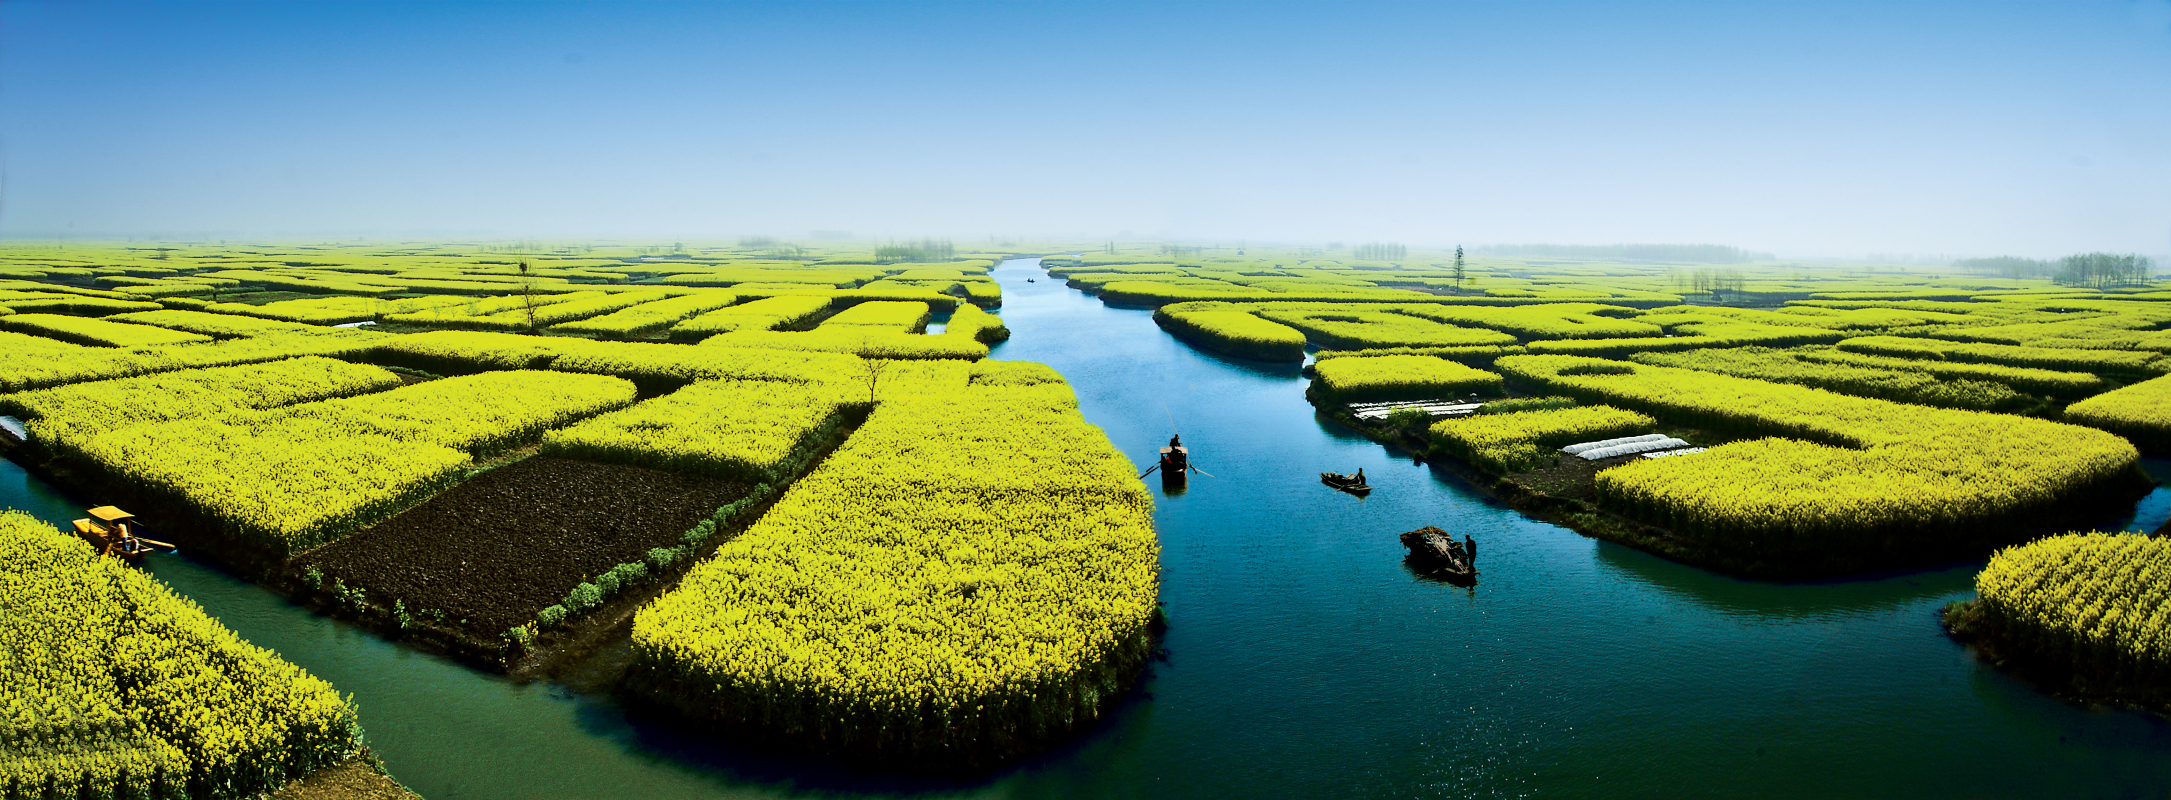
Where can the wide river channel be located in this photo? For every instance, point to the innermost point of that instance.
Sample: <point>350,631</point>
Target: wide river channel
<point>1304,660</point>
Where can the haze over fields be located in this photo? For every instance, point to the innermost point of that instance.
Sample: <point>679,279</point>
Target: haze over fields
<point>1810,129</point>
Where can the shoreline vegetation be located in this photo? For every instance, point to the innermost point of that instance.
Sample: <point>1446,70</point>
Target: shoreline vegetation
<point>2081,615</point>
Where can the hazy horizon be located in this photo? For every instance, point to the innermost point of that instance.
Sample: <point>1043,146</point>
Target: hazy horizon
<point>1809,131</point>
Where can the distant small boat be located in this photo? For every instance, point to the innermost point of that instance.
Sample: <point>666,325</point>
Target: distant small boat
<point>1029,280</point>
<point>1348,483</point>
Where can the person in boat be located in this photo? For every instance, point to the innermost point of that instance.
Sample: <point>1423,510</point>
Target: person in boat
<point>1360,476</point>
<point>124,539</point>
<point>1469,549</point>
<point>1175,441</point>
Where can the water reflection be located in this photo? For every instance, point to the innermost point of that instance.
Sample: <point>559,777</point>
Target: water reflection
<point>1823,599</point>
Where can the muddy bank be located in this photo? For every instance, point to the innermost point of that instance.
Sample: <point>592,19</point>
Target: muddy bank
<point>360,777</point>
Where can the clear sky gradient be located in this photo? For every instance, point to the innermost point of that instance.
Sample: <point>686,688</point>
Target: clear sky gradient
<point>1812,129</point>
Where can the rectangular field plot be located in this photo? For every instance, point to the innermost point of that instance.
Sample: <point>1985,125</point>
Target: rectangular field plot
<point>744,430</point>
<point>502,546</point>
<point>294,477</point>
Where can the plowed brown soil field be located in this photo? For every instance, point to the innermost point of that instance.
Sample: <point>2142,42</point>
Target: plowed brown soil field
<point>509,542</point>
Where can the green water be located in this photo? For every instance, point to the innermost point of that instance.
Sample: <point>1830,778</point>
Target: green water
<point>1304,660</point>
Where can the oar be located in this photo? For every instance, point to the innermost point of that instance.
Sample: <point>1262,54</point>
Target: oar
<point>1149,470</point>
<point>156,543</point>
<point>1194,468</point>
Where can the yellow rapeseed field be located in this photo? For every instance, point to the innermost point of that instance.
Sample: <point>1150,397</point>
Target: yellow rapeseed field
<point>973,571</point>
<point>112,686</point>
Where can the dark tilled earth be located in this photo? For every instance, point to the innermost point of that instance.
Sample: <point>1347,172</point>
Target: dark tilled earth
<point>509,542</point>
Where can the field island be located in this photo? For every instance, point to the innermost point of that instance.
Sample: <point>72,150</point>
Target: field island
<point>1776,421</point>
<point>792,486</point>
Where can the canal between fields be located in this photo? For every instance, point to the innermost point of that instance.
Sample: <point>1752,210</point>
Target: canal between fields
<point>1304,659</point>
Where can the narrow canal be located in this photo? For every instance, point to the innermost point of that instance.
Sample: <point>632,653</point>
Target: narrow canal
<point>1305,660</point>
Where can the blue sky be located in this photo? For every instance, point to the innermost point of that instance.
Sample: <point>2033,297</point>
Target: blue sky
<point>1815,129</point>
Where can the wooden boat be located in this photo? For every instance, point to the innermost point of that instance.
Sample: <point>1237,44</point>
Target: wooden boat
<point>1175,465</point>
<point>1433,551</point>
<point>113,533</point>
<point>1348,483</point>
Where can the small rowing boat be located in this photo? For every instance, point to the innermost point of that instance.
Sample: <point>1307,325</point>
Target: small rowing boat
<point>1353,484</point>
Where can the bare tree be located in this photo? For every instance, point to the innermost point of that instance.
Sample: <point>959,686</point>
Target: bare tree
<point>527,294</point>
<point>872,365</point>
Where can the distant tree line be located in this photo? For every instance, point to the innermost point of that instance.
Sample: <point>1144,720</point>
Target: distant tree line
<point>1707,280</point>
<point>2103,270</point>
<point>1380,251</point>
<point>2093,270</point>
<point>1684,253</point>
<point>772,247</point>
<point>922,250</point>
<point>2009,267</point>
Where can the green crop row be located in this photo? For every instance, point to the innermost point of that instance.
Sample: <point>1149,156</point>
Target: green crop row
<point>1484,354</point>
<point>1356,329</point>
<point>209,324</point>
<point>35,362</point>
<point>1545,321</point>
<point>845,298</point>
<point>336,310</point>
<point>327,284</point>
<point>2027,379</point>
<point>1694,329</point>
<point>1898,385</point>
<point>517,312</point>
<point>1218,326</point>
<point>893,315</point>
<point>651,316</point>
<point>859,340</point>
<point>970,322</point>
<point>1860,479</point>
<point>732,276</point>
<point>2141,413</point>
<point>2116,362</point>
<point>766,314</point>
<point>1400,378</point>
<point>457,314</point>
<point>68,416</point>
<point>96,332</point>
<point>655,364</point>
<point>742,430</point>
<point>1519,441</point>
